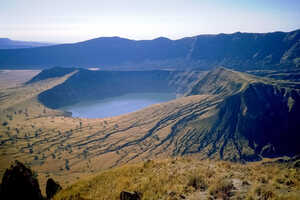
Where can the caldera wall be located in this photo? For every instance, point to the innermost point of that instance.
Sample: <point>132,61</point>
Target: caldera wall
<point>88,85</point>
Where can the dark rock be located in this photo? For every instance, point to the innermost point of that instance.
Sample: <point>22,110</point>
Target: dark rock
<point>297,164</point>
<point>19,182</point>
<point>244,183</point>
<point>282,160</point>
<point>130,195</point>
<point>172,193</point>
<point>296,158</point>
<point>52,188</point>
<point>290,182</point>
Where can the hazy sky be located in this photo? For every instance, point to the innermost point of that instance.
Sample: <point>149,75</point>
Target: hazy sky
<point>77,20</point>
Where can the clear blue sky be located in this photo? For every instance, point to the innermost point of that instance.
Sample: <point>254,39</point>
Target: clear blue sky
<point>77,20</point>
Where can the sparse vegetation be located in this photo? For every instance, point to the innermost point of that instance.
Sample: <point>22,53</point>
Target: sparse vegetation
<point>187,178</point>
<point>198,182</point>
<point>222,188</point>
<point>67,148</point>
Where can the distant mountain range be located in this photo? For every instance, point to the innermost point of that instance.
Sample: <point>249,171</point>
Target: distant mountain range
<point>238,51</point>
<point>6,43</point>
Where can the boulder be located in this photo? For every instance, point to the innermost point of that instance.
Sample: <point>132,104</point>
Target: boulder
<point>19,182</point>
<point>130,195</point>
<point>52,188</point>
<point>297,164</point>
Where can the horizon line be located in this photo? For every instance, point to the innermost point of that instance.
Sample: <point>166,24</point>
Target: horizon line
<point>128,38</point>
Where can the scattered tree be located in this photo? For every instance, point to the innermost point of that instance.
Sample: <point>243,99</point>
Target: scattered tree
<point>67,165</point>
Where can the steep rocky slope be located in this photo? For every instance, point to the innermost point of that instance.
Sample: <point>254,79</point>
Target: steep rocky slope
<point>90,85</point>
<point>256,118</point>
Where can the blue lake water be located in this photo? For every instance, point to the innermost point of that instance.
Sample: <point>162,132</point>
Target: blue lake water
<point>117,105</point>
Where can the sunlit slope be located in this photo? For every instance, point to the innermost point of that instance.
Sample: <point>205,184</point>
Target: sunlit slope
<point>224,115</point>
<point>186,178</point>
<point>54,144</point>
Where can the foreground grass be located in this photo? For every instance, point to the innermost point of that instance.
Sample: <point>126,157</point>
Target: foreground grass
<point>187,178</point>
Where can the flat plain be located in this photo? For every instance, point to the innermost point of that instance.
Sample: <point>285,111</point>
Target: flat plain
<point>14,78</point>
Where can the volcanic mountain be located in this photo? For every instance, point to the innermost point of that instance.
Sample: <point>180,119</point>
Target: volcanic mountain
<point>220,114</point>
<point>238,51</point>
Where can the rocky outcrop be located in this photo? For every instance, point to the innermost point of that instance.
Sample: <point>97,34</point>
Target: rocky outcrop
<point>19,182</point>
<point>52,188</point>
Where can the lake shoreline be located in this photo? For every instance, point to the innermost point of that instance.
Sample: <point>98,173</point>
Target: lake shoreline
<point>115,106</point>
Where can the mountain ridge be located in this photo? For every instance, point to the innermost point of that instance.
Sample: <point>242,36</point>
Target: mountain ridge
<point>240,51</point>
<point>7,43</point>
